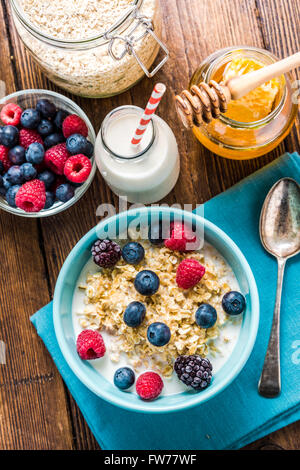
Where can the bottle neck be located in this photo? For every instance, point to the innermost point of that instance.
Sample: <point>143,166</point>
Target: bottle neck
<point>118,129</point>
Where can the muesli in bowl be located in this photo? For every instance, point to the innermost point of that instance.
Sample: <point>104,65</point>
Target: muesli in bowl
<point>98,374</point>
<point>155,314</point>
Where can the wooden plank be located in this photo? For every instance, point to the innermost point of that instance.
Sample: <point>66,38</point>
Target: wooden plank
<point>280,26</point>
<point>55,239</point>
<point>287,438</point>
<point>33,411</point>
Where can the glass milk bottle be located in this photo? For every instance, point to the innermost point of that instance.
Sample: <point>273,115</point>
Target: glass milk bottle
<point>144,173</point>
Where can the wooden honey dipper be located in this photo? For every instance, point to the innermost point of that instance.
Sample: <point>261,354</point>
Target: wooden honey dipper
<point>207,101</point>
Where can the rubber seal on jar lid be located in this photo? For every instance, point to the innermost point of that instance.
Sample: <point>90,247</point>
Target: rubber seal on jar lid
<point>185,111</point>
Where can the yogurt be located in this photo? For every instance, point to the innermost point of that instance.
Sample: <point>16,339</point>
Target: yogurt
<point>145,173</point>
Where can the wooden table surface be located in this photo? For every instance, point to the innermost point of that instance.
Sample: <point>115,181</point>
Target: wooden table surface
<point>36,409</point>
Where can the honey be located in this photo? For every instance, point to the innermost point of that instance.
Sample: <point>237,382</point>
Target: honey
<point>254,124</point>
<point>257,104</point>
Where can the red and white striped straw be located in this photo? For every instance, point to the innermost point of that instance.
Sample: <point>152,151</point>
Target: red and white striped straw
<point>150,109</point>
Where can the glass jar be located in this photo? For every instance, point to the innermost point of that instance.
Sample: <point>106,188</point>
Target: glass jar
<point>100,66</point>
<point>143,173</point>
<point>244,140</point>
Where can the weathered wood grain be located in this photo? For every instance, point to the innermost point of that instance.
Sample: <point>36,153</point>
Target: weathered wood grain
<point>279,23</point>
<point>193,30</point>
<point>33,407</point>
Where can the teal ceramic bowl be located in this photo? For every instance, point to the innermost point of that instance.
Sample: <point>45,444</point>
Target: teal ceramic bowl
<point>90,377</point>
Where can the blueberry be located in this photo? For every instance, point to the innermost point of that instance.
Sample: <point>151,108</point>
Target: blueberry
<point>30,118</point>
<point>45,128</point>
<point>134,314</point>
<point>35,153</point>
<point>158,334</point>
<point>146,282</point>
<point>46,108</point>
<point>64,192</point>
<point>17,155</point>
<point>60,117</point>
<point>53,139</point>
<point>10,136</point>
<point>206,316</point>
<point>6,182</point>
<point>50,199</point>
<point>124,378</point>
<point>233,303</point>
<point>89,150</point>
<point>47,177</point>
<point>28,171</point>
<point>133,253</point>
<point>11,195</point>
<point>76,144</point>
<point>2,191</point>
<point>155,233</point>
<point>1,168</point>
<point>14,175</point>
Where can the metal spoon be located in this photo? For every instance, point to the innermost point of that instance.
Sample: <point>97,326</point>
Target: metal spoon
<point>280,235</point>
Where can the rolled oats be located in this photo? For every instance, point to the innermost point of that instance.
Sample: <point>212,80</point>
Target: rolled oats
<point>109,292</point>
<point>87,69</point>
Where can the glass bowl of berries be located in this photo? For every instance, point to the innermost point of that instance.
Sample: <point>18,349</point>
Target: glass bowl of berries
<point>46,153</point>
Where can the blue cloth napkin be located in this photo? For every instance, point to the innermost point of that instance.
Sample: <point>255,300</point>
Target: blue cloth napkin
<point>238,415</point>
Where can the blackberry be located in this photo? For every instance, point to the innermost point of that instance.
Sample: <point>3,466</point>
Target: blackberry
<point>194,371</point>
<point>106,253</point>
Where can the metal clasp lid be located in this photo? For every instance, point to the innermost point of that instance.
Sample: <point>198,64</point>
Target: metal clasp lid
<point>130,40</point>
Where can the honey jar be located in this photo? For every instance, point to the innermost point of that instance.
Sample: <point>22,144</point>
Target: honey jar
<point>254,124</point>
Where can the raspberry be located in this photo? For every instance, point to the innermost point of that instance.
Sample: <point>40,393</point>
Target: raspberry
<point>194,371</point>
<point>4,157</point>
<point>77,168</point>
<point>149,385</point>
<point>106,253</point>
<point>73,124</point>
<point>31,197</point>
<point>11,114</point>
<point>29,136</point>
<point>90,345</point>
<point>56,157</point>
<point>180,237</point>
<point>189,273</point>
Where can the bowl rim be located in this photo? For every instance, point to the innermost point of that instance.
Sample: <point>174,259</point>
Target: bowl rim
<point>141,406</point>
<point>81,190</point>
